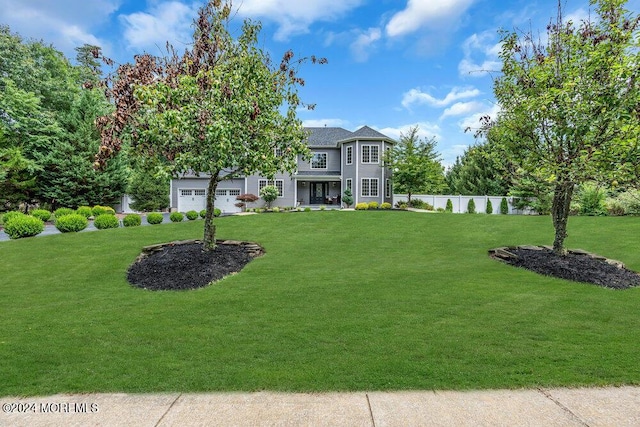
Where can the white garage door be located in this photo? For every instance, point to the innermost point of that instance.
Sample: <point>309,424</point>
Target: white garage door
<point>192,200</point>
<point>226,200</point>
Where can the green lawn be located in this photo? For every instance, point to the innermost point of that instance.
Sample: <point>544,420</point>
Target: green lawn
<point>340,301</point>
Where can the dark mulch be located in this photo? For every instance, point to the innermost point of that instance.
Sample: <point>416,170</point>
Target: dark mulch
<point>180,267</point>
<point>579,268</point>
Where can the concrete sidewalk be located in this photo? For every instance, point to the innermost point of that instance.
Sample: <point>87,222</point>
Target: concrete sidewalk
<point>613,406</point>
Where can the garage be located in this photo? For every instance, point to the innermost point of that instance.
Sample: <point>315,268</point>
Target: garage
<point>226,200</point>
<point>192,199</point>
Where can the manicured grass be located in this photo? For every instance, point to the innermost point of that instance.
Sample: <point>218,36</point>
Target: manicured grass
<point>340,301</point>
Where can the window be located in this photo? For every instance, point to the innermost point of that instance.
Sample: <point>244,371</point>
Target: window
<point>277,152</point>
<point>387,189</point>
<point>279,184</point>
<point>186,192</point>
<point>369,187</point>
<point>221,192</point>
<point>200,192</point>
<point>370,154</point>
<point>349,155</point>
<point>319,161</point>
<point>234,192</point>
<point>349,184</point>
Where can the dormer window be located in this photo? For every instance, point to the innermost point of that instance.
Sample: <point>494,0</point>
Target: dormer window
<point>319,161</point>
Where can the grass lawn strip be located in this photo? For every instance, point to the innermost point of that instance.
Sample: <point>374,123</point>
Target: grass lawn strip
<point>359,301</point>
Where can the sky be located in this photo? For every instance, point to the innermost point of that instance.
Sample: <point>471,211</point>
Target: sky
<point>392,64</point>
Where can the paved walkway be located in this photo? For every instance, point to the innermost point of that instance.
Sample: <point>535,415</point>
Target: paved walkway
<point>613,406</point>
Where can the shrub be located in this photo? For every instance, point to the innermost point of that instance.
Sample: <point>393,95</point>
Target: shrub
<point>630,201</point>
<point>440,210</point>
<point>98,210</point>
<point>203,213</point>
<point>269,193</point>
<point>176,217</point>
<point>373,205</point>
<point>276,209</point>
<point>489,209</point>
<point>307,209</point>
<point>60,212</point>
<point>106,221</point>
<point>23,226</point>
<point>449,207</point>
<point>131,220</point>
<point>109,210</point>
<point>615,207</point>
<point>217,212</point>
<point>154,218</point>
<point>504,206</point>
<point>85,211</point>
<point>347,199</point>
<point>362,206</point>
<point>245,199</point>
<point>71,223</point>
<point>591,199</point>
<point>323,207</point>
<point>385,206</point>
<point>192,215</point>
<point>10,215</point>
<point>42,214</point>
<point>402,205</point>
<point>471,207</point>
<point>420,204</point>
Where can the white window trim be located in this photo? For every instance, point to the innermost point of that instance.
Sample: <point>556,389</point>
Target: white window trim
<point>349,159</point>
<point>371,146</point>
<point>371,186</point>
<point>264,182</point>
<point>326,160</point>
<point>349,184</point>
<point>387,189</point>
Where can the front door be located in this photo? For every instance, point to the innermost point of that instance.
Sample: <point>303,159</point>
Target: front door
<point>319,192</point>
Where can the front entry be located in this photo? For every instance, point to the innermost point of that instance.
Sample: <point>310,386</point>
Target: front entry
<point>319,191</point>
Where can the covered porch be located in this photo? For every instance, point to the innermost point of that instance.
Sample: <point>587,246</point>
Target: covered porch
<point>315,190</point>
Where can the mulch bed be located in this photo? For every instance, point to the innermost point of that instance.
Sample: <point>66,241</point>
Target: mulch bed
<point>186,266</point>
<point>579,267</point>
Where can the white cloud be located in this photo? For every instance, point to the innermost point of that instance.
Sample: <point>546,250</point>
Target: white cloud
<point>363,46</point>
<point>426,13</point>
<point>66,24</point>
<point>317,123</point>
<point>462,108</point>
<point>472,122</point>
<point>295,16</point>
<point>170,21</point>
<point>426,130</point>
<point>481,55</point>
<point>417,96</point>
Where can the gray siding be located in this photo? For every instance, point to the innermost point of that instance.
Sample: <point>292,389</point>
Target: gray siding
<point>289,189</point>
<point>333,160</point>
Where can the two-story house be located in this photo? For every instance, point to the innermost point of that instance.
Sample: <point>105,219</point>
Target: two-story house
<point>340,159</point>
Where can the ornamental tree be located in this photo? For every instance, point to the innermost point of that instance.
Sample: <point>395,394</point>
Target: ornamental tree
<point>416,165</point>
<point>570,108</point>
<point>222,108</point>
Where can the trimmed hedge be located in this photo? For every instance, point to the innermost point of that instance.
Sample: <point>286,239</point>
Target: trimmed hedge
<point>217,212</point>
<point>105,221</point>
<point>20,226</point>
<point>71,223</point>
<point>471,207</point>
<point>60,212</point>
<point>154,218</point>
<point>42,214</point>
<point>176,217</point>
<point>385,206</point>
<point>362,206</point>
<point>10,215</point>
<point>85,211</point>
<point>132,220</point>
<point>203,213</point>
<point>373,205</point>
<point>192,215</point>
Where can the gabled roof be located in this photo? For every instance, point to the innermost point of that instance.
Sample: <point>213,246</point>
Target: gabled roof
<point>326,136</point>
<point>367,132</point>
<point>333,136</point>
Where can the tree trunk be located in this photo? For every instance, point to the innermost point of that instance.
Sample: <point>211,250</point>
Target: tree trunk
<point>209,241</point>
<point>562,195</point>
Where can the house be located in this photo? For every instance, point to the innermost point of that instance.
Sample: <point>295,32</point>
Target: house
<point>340,159</point>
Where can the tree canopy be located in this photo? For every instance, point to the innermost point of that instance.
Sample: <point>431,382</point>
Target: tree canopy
<point>223,108</point>
<point>570,109</point>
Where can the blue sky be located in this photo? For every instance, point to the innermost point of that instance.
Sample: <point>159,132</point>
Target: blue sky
<point>393,64</point>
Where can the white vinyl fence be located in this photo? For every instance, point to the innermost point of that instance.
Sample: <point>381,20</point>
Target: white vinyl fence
<point>460,203</point>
